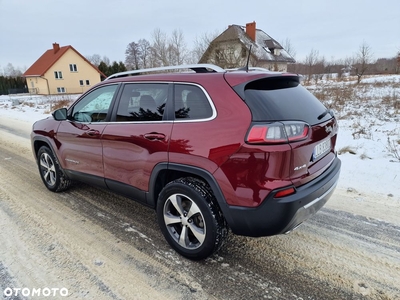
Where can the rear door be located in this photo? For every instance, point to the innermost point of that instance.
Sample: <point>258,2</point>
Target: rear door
<point>138,137</point>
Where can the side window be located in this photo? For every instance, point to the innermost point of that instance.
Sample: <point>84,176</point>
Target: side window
<point>94,106</point>
<point>191,103</point>
<point>142,102</point>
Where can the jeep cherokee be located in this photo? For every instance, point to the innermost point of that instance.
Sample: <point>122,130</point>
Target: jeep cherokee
<point>210,150</point>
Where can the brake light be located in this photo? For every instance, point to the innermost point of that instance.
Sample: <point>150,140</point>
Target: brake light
<point>277,132</point>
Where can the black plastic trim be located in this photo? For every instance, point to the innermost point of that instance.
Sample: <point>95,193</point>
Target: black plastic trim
<point>126,190</point>
<point>201,173</point>
<point>45,140</point>
<point>86,178</point>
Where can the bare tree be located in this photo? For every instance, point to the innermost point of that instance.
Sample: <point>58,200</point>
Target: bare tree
<point>289,48</point>
<point>310,62</point>
<point>106,60</point>
<point>384,65</point>
<point>319,69</point>
<point>132,56</point>
<point>177,48</point>
<point>159,48</point>
<point>398,62</point>
<point>363,59</point>
<point>94,59</point>
<point>167,50</point>
<point>348,65</point>
<point>9,70</point>
<point>137,55</point>
<point>145,52</point>
<point>201,43</point>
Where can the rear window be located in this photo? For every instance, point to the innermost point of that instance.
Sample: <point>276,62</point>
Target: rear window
<point>283,99</point>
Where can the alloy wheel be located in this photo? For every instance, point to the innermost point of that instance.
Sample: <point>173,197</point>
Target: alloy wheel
<point>184,221</point>
<point>48,169</point>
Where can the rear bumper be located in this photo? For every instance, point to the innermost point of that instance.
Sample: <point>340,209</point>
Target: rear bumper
<point>281,215</point>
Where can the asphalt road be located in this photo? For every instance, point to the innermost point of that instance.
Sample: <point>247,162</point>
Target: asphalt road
<point>99,245</point>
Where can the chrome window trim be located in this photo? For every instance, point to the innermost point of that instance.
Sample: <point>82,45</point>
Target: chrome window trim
<point>213,109</point>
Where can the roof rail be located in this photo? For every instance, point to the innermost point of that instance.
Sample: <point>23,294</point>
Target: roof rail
<point>198,68</point>
<point>250,69</point>
<point>259,69</point>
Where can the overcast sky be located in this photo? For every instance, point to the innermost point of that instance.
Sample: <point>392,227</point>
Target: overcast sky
<point>335,28</point>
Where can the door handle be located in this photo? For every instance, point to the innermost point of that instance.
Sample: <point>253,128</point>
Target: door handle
<point>93,132</point>
<point>154,136</point>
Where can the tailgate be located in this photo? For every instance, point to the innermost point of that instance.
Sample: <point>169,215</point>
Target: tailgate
<point>313,156</point>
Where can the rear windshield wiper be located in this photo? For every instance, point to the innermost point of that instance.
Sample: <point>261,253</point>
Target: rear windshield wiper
<point>328,111</point>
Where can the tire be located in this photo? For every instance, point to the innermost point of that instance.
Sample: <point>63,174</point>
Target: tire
<point>50,171</point>
<point>190,218</point>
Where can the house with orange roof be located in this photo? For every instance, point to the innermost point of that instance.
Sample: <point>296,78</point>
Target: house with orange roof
<point>61,70</point>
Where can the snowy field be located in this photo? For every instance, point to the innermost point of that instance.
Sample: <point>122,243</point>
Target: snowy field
<point>369,133</point>
<point>369,129</point>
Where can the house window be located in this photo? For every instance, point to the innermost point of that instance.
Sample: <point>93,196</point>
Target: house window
<point>81,82</point>
<point>87,82</point>
<point>60,90</point>
<point>73,68</point>
<point>58,74</point>
<point>244,52</point>
<point>219,56</point>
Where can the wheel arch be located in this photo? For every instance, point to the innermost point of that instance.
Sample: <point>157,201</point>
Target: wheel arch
<point>167,172</point>
<point>38,142</point>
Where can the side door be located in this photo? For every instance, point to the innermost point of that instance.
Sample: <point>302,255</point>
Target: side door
<point>80,136</point>
<point>138,137</point>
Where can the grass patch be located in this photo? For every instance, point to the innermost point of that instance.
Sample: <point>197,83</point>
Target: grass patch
<point>393,147</point>
<point>347,149</point>
<point>56,102</point>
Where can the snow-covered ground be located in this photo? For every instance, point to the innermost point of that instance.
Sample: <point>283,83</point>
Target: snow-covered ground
<point>369,133</point>
<point>369,130</point>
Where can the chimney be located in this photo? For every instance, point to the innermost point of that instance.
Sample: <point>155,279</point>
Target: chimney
<point>56,47</point>
<point>251,30</point>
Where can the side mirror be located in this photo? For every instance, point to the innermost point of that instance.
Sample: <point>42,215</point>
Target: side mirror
<point>60,114</point>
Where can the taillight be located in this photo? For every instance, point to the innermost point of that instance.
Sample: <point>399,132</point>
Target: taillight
<point>277,132</point>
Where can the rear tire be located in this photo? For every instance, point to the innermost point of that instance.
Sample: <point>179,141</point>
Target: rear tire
<point>190,218</point>
<point>50,171</point>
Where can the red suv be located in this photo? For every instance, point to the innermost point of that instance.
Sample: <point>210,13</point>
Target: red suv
<point>248,150</point>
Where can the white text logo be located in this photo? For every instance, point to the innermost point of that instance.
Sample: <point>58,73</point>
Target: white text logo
<point>45,292</point>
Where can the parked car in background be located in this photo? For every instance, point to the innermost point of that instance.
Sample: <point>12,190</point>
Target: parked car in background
<point>210,150</point>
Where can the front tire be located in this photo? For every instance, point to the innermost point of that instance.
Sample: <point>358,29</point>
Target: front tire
<point>190,219</point>
<point>50,171</point>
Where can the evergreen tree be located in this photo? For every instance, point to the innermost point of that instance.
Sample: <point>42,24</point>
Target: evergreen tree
<point>103,67</point>
<point>122,67</point>
<point>114,68</point>
<point>8,82</point>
